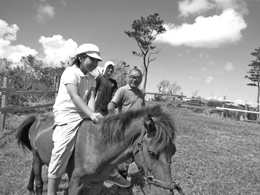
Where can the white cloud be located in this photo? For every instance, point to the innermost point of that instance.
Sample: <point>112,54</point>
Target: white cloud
<point>192,7</point>
<point>208,32</point>
<point>229,66</point>
<point>212,63</point>
<point>45,12</point>
<point>8,33</point>
<point>203,55</point>
<point>58,49</point>
<point>209,79</point>
<point>187,7</point>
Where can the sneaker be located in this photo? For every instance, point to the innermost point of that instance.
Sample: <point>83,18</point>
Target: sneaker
<point>108,184</point>
<point>119,180</point>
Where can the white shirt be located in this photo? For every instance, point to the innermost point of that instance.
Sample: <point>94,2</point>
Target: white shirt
<point>64,109</point>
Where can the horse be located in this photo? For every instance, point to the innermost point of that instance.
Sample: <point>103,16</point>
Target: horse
<point>147,135</point>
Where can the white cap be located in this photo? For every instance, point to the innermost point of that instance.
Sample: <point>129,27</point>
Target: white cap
<point>107,64</point>
<point>89,49</point>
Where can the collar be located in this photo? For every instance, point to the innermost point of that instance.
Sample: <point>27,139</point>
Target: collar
<point>130,88</point>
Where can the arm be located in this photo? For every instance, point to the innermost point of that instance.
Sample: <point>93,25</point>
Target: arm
<point>77,100</point>
<point>111,107</point>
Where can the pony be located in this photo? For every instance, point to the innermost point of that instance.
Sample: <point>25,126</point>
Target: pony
<point>147,135</point>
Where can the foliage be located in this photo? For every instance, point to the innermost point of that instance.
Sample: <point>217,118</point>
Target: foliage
<point>144,32</point>
<point>165,87</point>
<point>254,73</point>
<point>34,75</point>
<point>121,72</point>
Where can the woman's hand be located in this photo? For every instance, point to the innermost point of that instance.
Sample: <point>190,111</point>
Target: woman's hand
<point>95,117</point>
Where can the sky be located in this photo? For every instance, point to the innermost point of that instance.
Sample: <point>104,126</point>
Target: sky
<point>206,49</point>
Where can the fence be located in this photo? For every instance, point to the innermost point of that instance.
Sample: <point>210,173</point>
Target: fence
<point>6,108</point>
<point>202,104</point>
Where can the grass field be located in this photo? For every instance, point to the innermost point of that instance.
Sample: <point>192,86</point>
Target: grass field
<point>214,156</point>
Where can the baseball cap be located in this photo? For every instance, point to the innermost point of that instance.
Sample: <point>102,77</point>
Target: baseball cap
<point>89,49</point>
<point>107,64</point>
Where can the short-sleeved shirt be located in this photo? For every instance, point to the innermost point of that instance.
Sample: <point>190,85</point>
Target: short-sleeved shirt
<point>105,89</point>
<point>64,109</point>
<point>126,98</point>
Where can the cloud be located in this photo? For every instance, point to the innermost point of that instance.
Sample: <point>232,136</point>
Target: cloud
<point>229,66</point>
<point>193,7</point>
<point>212,63</point>
<point>204,55</point>
<point>58,49</point>
<point>209,79</point>
<point>8,33</point>
<point>63,2</point>
<point>45,12</point>
<point>187,7</point>
<point>207,32</point>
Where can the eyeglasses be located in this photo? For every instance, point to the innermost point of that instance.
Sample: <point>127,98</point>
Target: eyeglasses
<point>138,78</point>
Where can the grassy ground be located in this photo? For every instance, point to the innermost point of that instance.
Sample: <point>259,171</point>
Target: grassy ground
<point>214,156</point>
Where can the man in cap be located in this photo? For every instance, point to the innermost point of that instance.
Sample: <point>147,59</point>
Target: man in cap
<point>106,87</point>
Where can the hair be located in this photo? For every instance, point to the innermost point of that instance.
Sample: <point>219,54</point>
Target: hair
<point>113,127</point>
<point>76,60</point>
<point>136,69</point>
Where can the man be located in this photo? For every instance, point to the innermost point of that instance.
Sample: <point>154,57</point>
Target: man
<point>126,98</point>
<point>106,87</point>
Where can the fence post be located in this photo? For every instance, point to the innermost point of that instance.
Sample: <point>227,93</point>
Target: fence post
<point>245,114</point>
<point>3,104</point>
<point>222,113</point>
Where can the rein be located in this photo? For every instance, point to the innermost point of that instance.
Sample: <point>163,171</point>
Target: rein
<point>148,177</point>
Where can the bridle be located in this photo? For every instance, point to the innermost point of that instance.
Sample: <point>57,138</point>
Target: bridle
<point>149,179</point>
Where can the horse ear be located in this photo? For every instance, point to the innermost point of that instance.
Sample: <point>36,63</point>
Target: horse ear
<point>149,124</point>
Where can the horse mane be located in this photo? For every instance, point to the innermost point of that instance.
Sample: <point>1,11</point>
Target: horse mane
<point>113,126</point>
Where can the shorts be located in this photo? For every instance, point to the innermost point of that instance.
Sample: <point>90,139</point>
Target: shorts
<point>64,137</point>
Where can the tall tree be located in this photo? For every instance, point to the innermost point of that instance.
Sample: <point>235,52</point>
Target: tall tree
<point>254,74</point>
<point>144,32</point>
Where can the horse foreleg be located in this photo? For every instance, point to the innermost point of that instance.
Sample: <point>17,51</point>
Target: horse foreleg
<point>30,185</point>
<point>96,188</point>
<point>75,183</point>
<point>37,169</point>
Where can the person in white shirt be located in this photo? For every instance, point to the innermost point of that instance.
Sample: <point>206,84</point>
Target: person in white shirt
<point>75,101</point>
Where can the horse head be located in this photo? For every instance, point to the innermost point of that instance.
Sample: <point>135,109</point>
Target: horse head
<point>153,152</point>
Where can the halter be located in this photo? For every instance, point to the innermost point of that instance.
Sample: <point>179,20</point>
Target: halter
<point>148,176</point>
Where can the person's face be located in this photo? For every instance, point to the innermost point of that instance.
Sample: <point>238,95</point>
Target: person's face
<point>134,79</point>
<point>88,64</point>
<point>109,70</point>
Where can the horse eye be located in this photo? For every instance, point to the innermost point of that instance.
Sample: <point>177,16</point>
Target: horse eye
<point>152,153</point>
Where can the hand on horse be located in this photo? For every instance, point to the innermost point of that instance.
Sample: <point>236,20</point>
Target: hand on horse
<point>95,117</point>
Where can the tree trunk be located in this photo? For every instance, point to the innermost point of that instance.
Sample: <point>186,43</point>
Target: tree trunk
<point>258,97</point>
<point>145,81</point>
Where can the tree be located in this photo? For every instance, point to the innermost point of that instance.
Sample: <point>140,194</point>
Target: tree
<point>165,87</point>
<point>144,33</point>
<point>254,74</point>
<point>120,73</point>
<point>195,93</point>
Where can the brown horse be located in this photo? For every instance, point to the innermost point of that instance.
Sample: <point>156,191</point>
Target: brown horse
<point>146,134</point>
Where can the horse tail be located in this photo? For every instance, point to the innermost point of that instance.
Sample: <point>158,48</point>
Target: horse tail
<point>22,135</point>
